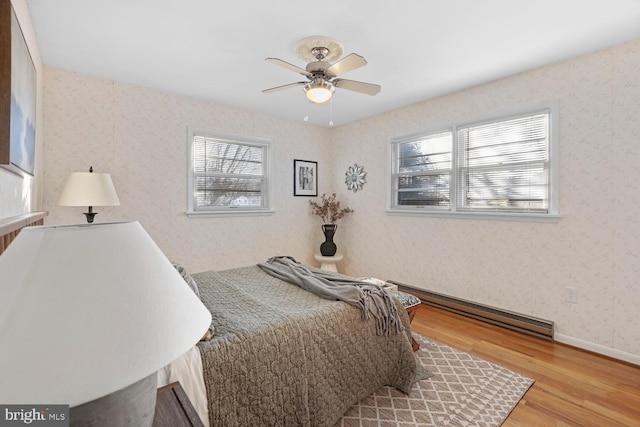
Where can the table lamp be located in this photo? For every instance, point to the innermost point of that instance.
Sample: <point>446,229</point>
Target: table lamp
<point>88,314</point>
<point>89,189</point>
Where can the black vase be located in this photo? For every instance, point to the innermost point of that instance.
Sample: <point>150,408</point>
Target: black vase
<point>328,248</point>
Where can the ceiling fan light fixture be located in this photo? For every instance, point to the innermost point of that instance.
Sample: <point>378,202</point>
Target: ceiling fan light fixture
<point>319,91</point>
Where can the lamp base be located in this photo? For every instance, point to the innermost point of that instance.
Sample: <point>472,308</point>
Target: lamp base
<point>132,406</point>
<point>90,215</point>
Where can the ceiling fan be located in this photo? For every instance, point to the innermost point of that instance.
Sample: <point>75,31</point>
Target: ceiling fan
<point>320,73</point>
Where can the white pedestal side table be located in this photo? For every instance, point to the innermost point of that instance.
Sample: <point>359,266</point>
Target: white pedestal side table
<point>328,262</point>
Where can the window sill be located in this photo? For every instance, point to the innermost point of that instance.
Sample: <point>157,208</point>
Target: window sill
<point>229,213</point>
<point>487,216</point>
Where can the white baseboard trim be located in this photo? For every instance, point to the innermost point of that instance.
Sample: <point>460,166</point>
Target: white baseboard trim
<point>597,348</point>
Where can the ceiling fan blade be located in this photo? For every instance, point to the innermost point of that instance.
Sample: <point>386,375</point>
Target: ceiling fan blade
<point>287,86</point>
<point>285,64</point>
<point>348,63</point>
<point>362,87</point>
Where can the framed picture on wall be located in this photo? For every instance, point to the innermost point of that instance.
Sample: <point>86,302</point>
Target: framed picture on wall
<point>305,178</point>
<point>17,96</point>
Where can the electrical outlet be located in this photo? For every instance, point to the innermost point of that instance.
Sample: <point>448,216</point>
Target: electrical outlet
<point>571,295</point>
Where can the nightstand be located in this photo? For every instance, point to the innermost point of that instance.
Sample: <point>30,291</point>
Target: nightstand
<point>174,409</point>
<point>411,303</point>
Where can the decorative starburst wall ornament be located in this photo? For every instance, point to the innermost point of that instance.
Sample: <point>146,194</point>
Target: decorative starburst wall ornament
<point>355,177</point>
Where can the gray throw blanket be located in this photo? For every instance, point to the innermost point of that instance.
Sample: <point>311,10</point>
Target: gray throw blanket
<point>372,300</point>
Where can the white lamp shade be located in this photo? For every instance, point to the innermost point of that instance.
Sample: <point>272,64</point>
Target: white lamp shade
<point>87,310</point>
<point>89,189</point>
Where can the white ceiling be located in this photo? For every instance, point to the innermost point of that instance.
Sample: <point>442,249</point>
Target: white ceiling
<point>416,49</point>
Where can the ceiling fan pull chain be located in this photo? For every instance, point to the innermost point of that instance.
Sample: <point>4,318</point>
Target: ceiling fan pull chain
<point>331,112</point>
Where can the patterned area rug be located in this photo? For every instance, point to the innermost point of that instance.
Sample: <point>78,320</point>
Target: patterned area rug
<point>463,391</point>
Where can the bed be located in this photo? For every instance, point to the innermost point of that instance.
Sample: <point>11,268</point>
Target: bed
<point>281,355</point>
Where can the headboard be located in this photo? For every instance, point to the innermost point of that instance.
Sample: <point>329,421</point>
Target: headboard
<point>10,227</point>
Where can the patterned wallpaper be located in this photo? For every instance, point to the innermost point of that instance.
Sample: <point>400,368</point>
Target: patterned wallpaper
<point>524,267</point>
<point>139,136</point>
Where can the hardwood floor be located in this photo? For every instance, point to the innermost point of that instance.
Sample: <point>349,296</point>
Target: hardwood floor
<point>572,387</point>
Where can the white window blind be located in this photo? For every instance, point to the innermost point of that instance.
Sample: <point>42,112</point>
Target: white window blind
<point>504,165</point>
<point>501,166</point>
<point>423,170</point>
<point>227,173</point>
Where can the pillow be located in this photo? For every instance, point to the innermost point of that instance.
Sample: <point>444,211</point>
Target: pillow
<point>408,300</point>
<point>187,278</point>
<point>194,287</point>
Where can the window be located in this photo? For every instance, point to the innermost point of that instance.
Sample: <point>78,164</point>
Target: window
<point>498,168</point>
<point>423,170</point>
<point>228,174</point>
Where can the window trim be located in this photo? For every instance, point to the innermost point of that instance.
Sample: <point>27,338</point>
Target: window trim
<point>552,216</point>
<point>229,210</point>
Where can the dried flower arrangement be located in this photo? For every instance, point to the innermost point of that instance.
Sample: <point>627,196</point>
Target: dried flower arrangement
<point>329,210</point>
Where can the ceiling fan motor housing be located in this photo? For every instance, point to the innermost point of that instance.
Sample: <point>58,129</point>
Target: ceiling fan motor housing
<point>318,69</point>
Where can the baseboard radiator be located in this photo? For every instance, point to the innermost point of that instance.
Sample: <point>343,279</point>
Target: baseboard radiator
<point>518,322</point>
